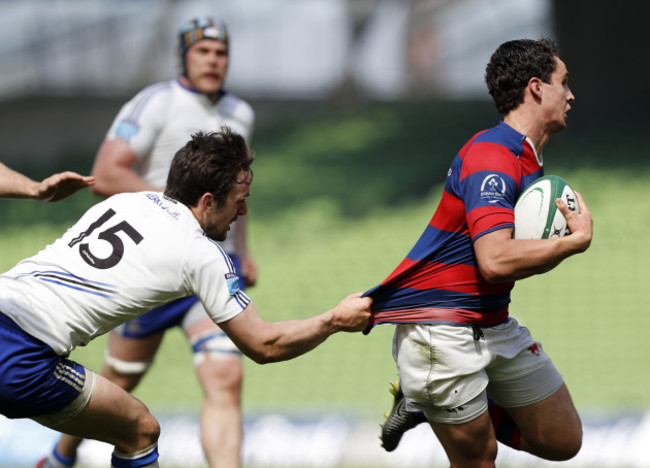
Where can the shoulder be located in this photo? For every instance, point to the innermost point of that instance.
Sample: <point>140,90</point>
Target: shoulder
<point>205,259</point>
<point>236,107</point>
<point>496,149</point>
<point>154,92</point>
<point>152,100</point>
<point>501,138</point>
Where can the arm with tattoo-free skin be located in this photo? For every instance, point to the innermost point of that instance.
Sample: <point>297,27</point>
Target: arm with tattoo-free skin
<point>266,342</point>
<point>502,258</point>
<point>53,188</point>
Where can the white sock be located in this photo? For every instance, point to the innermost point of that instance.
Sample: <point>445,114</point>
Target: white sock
<point>56,460</point>
<point>146,458</point>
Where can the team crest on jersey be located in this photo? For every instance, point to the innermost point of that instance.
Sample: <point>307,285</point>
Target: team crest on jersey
<point>232,280</point>
<point>126,129</point>
<point>493,188</point>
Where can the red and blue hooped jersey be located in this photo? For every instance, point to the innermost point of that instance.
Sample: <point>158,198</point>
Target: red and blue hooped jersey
<point>439,280</point>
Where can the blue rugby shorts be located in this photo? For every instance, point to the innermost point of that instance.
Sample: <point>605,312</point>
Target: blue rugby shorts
<point>34,380</point>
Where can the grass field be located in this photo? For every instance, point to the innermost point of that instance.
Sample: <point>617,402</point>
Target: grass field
<point>338,200</point>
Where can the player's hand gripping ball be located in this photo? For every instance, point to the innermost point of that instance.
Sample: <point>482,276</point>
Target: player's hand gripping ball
<point>536,216</point>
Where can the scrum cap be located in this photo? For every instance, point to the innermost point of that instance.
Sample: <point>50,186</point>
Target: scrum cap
<point>198,29</point>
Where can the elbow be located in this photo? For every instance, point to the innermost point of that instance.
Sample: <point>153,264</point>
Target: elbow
<point>264,356</point>
<point>100,186</point>
<point>103,186</point>
<point>97,190</point>
<point>494,274</point>
<point>260,358</point>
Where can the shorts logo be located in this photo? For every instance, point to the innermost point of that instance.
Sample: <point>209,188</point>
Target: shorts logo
<point>456,410</point>
<point>493,188</point>
<point>535,349</point>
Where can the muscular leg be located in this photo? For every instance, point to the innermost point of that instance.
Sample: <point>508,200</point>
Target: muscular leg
<point>112,416</point>
<point>468,445</point>
<point>124,349</point>
<point>550,429</point>
<point>115,417</point>
<point>221,419</point>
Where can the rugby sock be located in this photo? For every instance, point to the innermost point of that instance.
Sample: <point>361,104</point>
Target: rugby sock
<point>147,458</point>
<point>56,460</point>
<point>505,428</point>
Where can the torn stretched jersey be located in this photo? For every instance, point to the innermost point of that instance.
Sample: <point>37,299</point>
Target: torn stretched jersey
<point>439,280</point>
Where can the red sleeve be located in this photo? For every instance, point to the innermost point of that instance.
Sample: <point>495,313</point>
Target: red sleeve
<point>489,181</point>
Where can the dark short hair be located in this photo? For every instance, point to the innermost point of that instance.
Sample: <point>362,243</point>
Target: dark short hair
<point>512,66</point>
<point>209,163</point>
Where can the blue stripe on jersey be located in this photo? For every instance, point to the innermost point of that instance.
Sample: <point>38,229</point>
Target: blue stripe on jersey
<point>390,298</point>
<point>62,273</point>
<point>504,135</point>
<point>61,283</point>
<point>433,239</point>
<point>452,184</point>
<point>73,282</point>
<point>226,257</point>
<point>528,179</point>
<point>242,299</point>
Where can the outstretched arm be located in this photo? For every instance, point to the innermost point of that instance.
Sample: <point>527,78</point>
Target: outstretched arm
<point>53,188</point>
<point>266,342</point>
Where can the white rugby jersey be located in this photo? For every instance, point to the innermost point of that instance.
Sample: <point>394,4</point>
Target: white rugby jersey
<point>160,119</point>
<point>125,256</point>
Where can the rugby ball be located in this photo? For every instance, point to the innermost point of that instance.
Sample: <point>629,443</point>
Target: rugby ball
<point>536,216</point>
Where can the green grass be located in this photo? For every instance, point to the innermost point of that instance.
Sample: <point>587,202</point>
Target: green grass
<point>338,200</point>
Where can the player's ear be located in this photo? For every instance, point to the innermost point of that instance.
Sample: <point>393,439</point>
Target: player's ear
<point>535,88</point>
<point>206,201</point>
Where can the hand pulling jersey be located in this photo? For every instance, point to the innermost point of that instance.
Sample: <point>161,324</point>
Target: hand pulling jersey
<point>127,255</point>
<point>439,280</point>
<point>160,119</point>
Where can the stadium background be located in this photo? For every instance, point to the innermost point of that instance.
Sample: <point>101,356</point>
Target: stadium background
<point>360,106</point>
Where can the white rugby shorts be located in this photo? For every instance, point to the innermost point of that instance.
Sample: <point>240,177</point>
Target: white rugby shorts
<point>447,371</point>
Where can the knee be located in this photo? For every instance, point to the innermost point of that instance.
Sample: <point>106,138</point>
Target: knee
<point>475,456</point>
<point>233,374</point>
<point>561,446</point>
<point>570,446</point>
<point>222,376</point>
<point>143,431</point>
<point>148,431</point>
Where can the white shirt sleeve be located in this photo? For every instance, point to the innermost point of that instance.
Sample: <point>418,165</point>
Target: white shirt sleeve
<point>210,274</point>
<point>141,119</point>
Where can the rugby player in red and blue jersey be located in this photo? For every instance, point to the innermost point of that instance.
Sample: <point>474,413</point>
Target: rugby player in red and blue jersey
<point>465,365</point>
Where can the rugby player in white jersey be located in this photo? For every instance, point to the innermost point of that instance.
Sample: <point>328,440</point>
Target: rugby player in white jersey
<point>125,256</point>
<point>136,156</point>
<point>53,188</point>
